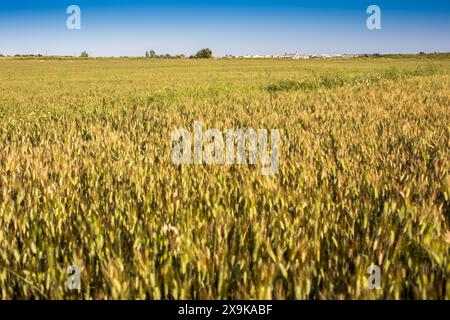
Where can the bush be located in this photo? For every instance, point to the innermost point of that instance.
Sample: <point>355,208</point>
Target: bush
<point>203,54</point>
<point>150,54</point>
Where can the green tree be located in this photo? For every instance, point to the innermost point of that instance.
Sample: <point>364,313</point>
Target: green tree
<point>203,54</point>
<point>150,54</point>
<point>84,54</point>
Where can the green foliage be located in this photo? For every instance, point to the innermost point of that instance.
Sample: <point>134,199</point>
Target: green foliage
<point>203,54</point>
<point>152,54</point>
<point>84,54</point>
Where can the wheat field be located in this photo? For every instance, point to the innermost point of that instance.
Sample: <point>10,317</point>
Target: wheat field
<point>86,179</point>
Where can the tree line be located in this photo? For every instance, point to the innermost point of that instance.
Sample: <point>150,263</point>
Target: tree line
<point>201,54</point>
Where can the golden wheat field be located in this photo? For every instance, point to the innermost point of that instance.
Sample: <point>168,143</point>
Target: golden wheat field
<point>86,179</point>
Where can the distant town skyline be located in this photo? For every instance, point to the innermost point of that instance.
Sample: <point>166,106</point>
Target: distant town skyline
<point>246,27</point>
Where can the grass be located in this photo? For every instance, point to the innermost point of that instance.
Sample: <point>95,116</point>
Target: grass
<point>86,178</point>
<point>330,81</point>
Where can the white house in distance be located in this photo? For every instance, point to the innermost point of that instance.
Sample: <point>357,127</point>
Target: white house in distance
<point>297,56</point>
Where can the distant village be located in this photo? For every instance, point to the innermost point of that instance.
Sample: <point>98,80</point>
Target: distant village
<point>296,56</point>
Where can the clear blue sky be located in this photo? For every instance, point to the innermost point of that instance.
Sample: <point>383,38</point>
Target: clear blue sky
<point>115,28</point>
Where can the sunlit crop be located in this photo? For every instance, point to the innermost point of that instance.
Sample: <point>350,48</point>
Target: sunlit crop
<point>86,179</point>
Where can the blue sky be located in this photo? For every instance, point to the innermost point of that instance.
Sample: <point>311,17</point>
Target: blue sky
<point>116,28</point>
